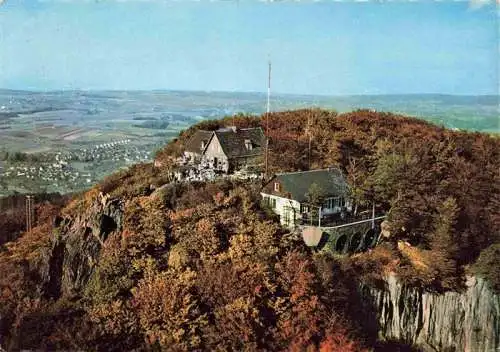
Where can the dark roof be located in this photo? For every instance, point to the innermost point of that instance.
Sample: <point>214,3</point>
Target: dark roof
<point>194,143</point>
<point>296,184</point>
<point>233,141</point>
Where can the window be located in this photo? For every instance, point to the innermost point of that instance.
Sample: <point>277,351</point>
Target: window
<point>336,202</point>
<point>270,202</point>
<point>265,200</point>
<point>286,216</point>
<point>329,203</point>
<point>276,187</point>
<point>273,203</point>
<point>304,208</point>
<point>248,144</point>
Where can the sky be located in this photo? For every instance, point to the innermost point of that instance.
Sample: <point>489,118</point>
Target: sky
<point>316,47</point>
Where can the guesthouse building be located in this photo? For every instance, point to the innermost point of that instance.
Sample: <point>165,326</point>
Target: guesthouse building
<point>230,149</point>
<point>227,149</point>
<point>307,196</point>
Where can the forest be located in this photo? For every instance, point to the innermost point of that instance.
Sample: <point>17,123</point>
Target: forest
<point>137,263</point>
<point>441,188</point>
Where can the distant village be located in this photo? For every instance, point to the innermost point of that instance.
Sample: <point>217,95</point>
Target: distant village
<point>69,171</point>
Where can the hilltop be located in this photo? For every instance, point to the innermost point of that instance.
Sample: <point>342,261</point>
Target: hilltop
<point>138,263</point>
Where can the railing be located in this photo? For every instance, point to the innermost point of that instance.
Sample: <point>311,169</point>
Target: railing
<point>355,223</point>
<point>333,220</point>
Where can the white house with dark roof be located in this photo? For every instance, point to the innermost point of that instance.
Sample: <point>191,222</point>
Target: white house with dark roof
<point>226,149</point>
<point>286,194</point>
<point>232,148</point>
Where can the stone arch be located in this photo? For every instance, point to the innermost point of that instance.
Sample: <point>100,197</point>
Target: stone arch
<point>355,242</point>
<point>340,244</point>
<point>369,239</point>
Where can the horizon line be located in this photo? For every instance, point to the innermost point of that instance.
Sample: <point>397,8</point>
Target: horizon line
<point>243,92</point>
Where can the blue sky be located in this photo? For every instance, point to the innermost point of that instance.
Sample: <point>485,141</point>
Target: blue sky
<point>324,47</point>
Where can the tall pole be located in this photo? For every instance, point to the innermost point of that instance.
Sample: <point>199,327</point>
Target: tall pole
<point>29,213</point>
<point>269,88</point>
<point>310,137</point>
<point>268,109</point>
<point>319,216</point>
<point>373,215</point>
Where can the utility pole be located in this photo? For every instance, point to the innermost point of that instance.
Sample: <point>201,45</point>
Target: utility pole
<point>319,216</point>
<point>268,109</point>
<point>373,215</point>
<point>269,88</point>
<point>310,137</point>
<point>29,212</point>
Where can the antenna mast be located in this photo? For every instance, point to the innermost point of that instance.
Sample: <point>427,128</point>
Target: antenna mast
<point>310,136</point>
<point>267,116</point>
<point>269,88</point>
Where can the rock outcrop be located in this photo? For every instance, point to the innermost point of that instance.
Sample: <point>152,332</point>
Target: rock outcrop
<point>467,321</point>
<point>76,246</point>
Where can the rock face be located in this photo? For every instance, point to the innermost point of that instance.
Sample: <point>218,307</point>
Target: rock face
<point>76,246</point>
<point>467,321</point>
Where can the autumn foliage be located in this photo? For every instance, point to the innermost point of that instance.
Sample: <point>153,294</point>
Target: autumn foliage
<point>440,188</point>
<point>201,266</point>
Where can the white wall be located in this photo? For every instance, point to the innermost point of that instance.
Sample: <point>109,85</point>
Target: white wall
<point>214,149</point>
<point>284,205</point>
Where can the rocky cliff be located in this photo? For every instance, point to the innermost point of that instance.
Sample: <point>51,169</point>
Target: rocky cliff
<point>467,321</point>
<point>76,245</point>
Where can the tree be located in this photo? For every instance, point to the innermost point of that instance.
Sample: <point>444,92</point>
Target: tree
<point>168,309</point>
<point>355,179</point>
<point>315,197</point>
<point>443,243</point>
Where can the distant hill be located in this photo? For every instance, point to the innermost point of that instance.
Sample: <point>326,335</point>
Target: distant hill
<point>453,111</point>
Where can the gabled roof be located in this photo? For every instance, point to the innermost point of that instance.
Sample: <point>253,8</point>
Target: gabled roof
<point>296,184</point>
<point>233,141</point>
<point>194,143</point>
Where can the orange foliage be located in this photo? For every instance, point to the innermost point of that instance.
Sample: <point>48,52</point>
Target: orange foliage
<point>198,267</point>
<point>337,341</point>
<point>168,311</point>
